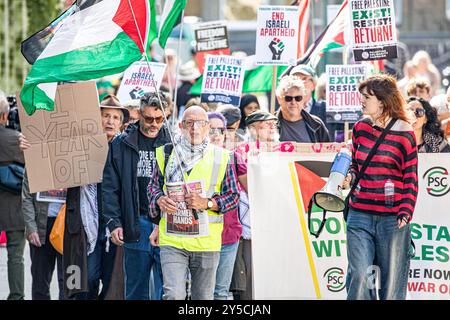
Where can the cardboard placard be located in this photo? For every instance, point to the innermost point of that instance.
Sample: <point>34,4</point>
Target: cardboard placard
<point>139,79</point>
<point>374,34</point>
<point>277,35</point>
<point>343,97</point>
<point>223,79</point>
<point>68,146</point>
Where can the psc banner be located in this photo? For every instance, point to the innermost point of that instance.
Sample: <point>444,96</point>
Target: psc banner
<point>374,34</point>
<point>306,267</point>
<point>211,38</point>
<point>343,98</point>
<point>429,274</point>
<point>139,79</point>
<point>223,79</point>
<point>277,35</point>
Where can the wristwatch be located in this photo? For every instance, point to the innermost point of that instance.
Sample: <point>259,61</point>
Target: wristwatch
<point>210,204</point>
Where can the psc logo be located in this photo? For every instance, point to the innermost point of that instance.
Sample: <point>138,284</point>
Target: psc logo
<point>436,179</point>
<point>334,278</point>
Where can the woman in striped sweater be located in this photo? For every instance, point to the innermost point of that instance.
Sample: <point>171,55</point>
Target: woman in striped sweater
<point>382,205</point>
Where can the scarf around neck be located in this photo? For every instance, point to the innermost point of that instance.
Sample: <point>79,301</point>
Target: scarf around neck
<point>189,156</point>
<point>433,142</point>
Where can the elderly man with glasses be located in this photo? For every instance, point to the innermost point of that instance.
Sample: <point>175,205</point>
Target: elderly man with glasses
<point>190,229</point>
<point>128,170</point>
<point>294,122</point>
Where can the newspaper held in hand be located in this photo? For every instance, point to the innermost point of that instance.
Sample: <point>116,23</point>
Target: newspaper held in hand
<point>182,223</point>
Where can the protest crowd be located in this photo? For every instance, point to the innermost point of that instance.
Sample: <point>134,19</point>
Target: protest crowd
<point>170,217</point>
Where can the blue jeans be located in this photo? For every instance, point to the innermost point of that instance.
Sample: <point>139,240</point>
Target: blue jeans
<point>225,270</point>
<point>377,248</point>
<point>202,266</point>
<point>139,260</point>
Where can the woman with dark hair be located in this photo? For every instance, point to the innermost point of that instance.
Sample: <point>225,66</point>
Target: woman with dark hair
<point>382,204</point>
<point>232,228</point>
<point>427,128</point>
<point>249,104</point>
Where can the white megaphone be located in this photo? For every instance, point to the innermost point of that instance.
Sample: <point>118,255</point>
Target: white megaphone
<point>330,197</point>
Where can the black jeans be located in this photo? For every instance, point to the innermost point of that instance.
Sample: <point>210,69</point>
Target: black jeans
<point>42,266</point>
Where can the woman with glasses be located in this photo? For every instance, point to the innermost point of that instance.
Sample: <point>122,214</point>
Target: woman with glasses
<point>232,228</point>
<point>427,128</point>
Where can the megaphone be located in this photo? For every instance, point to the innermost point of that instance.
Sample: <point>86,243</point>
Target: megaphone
<point>330,197</point>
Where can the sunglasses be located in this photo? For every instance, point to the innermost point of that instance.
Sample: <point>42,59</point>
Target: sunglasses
<point>192,123</point>
<point>290,98</point>
<point>419,112</point>
<point>219,130</point>
<point>151,119</point>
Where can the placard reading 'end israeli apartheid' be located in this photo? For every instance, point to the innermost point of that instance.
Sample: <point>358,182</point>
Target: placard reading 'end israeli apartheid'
<point>68,146</point>
<point>277,35</point>
<point>139,78</point>
<point>223,79</point>
<point>374,34</point>
<point>343,98</point>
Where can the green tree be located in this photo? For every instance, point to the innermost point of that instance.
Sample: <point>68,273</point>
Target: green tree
<point>19,19</point>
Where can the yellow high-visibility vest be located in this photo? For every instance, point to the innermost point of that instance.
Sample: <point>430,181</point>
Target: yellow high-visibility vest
<point>211,167</point>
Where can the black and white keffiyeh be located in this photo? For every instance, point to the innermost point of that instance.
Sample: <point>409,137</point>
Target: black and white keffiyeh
<point>189,156</point>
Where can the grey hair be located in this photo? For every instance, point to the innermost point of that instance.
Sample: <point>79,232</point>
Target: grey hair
<point>289,82</point>
<point>4,105</point>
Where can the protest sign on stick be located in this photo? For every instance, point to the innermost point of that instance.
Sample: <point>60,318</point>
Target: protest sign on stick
<point>68,146</point>
<point>211,39</point>
<point>374,35</point>
<point>277,35</point>
<point>139,78</point>
<point>223,79</point>
<point>343,98</point>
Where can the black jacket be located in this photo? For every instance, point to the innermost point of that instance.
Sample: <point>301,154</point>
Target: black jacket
<point>120,184</point>
<point>315,127</point>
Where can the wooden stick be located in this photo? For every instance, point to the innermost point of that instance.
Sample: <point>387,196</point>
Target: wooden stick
<point>274,86</point>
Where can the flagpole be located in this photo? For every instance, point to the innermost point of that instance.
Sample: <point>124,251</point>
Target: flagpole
<point>177,71</point>
<point>183,173</point>
<point>274,85</point>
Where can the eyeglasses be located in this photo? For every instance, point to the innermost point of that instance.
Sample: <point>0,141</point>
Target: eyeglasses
<point>289,98</point>
<point>419,112</point>
<point>214,130</point>
<point>151,119</point>
<point>192,123</point>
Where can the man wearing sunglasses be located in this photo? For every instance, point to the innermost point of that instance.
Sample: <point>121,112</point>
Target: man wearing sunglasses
<point>126,176</point>
<point>294,122</point>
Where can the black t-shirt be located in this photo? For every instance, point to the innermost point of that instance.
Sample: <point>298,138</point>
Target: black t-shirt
<point>147,158</point>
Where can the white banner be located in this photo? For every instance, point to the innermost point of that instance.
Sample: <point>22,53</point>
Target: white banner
<point>429,276</point>
<point>277,35</point>
<point>289,263</point>
<point>139,79</point>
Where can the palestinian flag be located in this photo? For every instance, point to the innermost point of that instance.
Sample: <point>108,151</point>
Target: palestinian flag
<point>92,39</point>
<point>311,176</point>
<point>170,17</point>
<point>331,38</point>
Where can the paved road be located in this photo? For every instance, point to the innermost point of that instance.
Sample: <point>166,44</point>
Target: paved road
<point>4,289</point>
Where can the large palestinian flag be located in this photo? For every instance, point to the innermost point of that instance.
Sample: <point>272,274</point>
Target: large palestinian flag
<point>92,39</point>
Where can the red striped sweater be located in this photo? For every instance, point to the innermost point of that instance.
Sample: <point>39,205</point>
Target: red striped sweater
<point>395,159</point>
